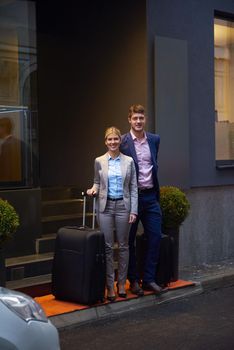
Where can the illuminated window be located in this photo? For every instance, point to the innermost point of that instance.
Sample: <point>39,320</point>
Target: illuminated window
<point>18,103</point>
<point>224,91</point>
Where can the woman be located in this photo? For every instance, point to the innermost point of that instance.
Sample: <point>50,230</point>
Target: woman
<point>115,185</point>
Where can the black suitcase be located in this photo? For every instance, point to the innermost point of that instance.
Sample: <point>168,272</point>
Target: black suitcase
<point>79,272</point>
<point>164,270</point>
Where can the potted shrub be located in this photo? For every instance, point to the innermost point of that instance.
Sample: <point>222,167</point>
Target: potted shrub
<point>175,208</point>
<point>9,222</point>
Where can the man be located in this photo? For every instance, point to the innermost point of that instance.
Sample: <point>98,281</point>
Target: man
<point>10,153</point>
<point>143,148</point>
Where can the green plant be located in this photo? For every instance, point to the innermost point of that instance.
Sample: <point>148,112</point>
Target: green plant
<point>9,221</point>
<point>174,205</point>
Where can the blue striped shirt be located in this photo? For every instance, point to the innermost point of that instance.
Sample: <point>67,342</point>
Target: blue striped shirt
<point>115,181</point>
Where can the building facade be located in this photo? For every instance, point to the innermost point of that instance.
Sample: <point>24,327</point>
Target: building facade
<point>68,71</point>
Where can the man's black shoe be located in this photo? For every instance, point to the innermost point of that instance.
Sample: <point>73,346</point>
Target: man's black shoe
<point>153,287</point>
<point>136,289</point>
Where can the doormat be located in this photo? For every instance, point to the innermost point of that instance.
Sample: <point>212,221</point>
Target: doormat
<point>53,307</point>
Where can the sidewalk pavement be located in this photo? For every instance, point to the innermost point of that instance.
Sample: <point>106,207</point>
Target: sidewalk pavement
<point>206,278</point>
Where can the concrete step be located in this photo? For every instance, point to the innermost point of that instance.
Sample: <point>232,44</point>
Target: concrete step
<point>62,207</point>
<point>53,223</point>
<point>28,266</point>
<point>59,193</point>
<point>29,281</point>
<point>34,286</point>
<point>45,244</point>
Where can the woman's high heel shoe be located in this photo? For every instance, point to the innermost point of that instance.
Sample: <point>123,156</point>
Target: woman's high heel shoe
<point>121,294</point>
<point>111,297</point>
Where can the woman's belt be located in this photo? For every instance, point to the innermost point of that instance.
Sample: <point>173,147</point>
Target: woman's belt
<point>114,199</point>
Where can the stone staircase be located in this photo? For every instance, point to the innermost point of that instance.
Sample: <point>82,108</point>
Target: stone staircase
<point>60,207</point>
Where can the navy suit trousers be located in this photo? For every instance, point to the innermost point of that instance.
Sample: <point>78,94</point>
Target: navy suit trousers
<point>149,213</point>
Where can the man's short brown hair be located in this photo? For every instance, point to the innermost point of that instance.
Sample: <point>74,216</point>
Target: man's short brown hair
<point>136,109</point>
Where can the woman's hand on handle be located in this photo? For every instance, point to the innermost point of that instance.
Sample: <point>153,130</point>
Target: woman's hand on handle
<point>91,192</point>
<point>132,218</point>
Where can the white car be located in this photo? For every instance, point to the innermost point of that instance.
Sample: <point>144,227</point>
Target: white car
<point>24,325</point>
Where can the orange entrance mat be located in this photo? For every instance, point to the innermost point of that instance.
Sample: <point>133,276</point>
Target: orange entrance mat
<point>54,307</point>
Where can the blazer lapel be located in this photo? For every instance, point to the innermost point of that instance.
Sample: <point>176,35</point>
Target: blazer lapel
<point>152,148</point>
<point>131,147</point>
<point>123,166</point>
<point>105,169</point>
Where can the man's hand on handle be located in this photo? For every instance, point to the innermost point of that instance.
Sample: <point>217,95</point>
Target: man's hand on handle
<point>132,218</point>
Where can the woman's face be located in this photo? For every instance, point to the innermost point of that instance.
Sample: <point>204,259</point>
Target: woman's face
<point>112,142</point>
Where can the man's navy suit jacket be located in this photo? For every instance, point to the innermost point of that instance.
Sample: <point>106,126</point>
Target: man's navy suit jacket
<point>127,147</point>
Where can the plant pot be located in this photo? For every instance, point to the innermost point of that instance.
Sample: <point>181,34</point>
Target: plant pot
<point>174,233</point>
<point>2,269</point>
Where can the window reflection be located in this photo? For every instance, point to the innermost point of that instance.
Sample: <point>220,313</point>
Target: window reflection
<point>10,152</point>
<point>16,154</point>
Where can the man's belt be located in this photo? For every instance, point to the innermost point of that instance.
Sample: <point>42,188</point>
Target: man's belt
<point>146,190</point>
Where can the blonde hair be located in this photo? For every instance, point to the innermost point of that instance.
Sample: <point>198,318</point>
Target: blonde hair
<point>112,130</point>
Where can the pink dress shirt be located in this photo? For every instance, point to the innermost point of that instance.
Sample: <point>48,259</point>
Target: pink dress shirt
<point>145,179</point>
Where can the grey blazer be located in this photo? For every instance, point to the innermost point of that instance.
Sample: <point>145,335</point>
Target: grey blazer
<point>130,189</point>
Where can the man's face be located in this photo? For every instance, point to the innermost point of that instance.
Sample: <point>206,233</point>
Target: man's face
<point>137,122</point>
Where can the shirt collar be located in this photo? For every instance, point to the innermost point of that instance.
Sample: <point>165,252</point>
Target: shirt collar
<point>109,157</point>
<point>135,138</point>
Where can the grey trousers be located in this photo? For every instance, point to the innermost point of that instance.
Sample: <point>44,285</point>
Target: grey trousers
<point>115,216</point>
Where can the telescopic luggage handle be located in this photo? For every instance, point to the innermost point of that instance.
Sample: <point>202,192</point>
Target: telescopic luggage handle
<point>84,210</point>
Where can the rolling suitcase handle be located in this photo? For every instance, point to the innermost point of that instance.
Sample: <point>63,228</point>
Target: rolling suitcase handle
<point>84,211</point>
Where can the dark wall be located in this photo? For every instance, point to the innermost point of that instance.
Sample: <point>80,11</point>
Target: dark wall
<point>91,67</point>
<point>191,22</point>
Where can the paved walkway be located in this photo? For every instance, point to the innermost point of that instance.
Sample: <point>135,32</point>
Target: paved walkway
<point>206,277</point>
